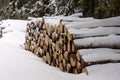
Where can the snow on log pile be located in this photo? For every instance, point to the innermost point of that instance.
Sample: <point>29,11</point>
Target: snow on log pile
<point>72,45</point>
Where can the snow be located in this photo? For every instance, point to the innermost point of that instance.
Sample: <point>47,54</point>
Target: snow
<point>18,64</point>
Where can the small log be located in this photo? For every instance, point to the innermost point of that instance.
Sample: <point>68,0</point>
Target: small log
<point>60,57</point>
<point>57,46</point>
<point>53,47</point>
<point>61,66</point>
<point>48,58</point>
<point>54,36</point>
<point>61,27</point>
<point>78,56</point>
<point>78,67</point>
<point>67,56</point>
<point>53,63</point>
<point>75,71</point>
<point>65,39</point>
<point>46,40</point>
<point>61,42</point>
<point>40,52</point>
<point>69,46</point>
<point>69,68</point>
<point>84,70</point>
<point>65,47</point>
<point>57,62</point>
<point>73,60</point>
<point>64,62</point>
<point>44,59</point>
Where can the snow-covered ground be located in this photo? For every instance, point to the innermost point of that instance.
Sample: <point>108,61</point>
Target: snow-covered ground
<point>18,64</point>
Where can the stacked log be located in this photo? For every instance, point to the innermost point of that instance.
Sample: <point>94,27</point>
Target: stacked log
<point>61,46</point>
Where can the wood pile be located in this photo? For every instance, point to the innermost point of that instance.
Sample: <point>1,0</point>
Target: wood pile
<point>61,46</point>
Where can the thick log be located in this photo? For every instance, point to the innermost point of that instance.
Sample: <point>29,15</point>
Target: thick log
<point>99,56</point>
<point>111,41</point>
<point>109,22</point>
<point>101,62</point>
<point>96,32</point>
